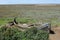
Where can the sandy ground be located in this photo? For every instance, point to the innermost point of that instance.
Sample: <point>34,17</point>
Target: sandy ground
<point>55,36</point>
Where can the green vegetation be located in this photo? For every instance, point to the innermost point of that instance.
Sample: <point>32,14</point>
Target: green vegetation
<point>13,33</point>
<point>5,20</point>
<point>27,14</point>
<point>43,13</point>
<point>20,20</point>
<point>26,20</point>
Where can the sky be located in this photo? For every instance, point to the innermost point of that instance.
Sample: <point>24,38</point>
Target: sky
<point>29,1</point>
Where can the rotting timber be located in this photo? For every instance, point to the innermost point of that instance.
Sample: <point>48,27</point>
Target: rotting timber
<point>45,26</point>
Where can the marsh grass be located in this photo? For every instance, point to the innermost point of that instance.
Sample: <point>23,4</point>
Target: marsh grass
<point>13,33</point>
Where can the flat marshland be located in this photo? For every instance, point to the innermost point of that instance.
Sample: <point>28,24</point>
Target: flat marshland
<point>44,13</point>
<point>31,14</point>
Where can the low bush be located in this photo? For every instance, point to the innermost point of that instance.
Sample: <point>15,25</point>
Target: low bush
<point>13,33</point>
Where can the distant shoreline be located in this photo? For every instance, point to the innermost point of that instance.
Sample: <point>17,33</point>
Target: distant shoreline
<point>30,4</point>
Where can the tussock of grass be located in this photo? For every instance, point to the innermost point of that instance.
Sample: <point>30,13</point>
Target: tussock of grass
<point>13,33</point>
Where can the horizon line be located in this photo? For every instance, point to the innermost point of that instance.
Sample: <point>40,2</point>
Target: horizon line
<point>30,4</point>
